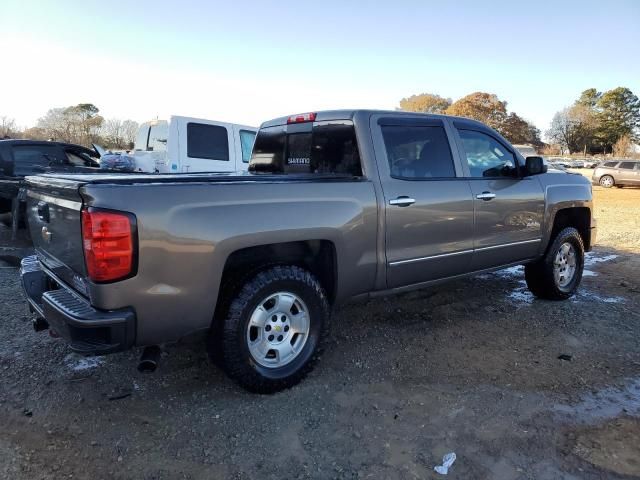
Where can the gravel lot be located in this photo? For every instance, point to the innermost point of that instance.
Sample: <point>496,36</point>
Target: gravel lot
<point>516,387</point>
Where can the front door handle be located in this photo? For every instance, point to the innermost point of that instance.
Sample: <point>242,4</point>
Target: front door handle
<point>402,201</point>
<point>486,196</point>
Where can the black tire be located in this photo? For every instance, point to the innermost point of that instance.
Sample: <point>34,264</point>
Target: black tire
<point>236,359</point>
<point>539,275</point>
<point>604,181</point>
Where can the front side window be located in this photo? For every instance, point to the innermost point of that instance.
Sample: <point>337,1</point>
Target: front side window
<point>627,165</point>
<point>610,164</point>
<point>210,142</point>
<point>418,152</point>
<point>486,156</point>
<point>246,144</point>
<point>158,137</point>
<point>29,160</point>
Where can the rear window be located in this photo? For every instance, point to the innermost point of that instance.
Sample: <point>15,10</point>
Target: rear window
<point>322,147</point>
<point>210,142</point>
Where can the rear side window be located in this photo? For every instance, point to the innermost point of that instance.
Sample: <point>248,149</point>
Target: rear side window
<point>486,157</point>
<point>207,141</point>
<point>323,147</point>
<point>142,138</point>
<point>627,165</point>
<point>33,159</point>
<point>246,144</point>
<point>79,158</point>
<point>418,152</point>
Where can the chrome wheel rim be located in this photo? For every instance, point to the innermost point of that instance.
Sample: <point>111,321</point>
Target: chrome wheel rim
<point>606,181</point>
<point>278,330</point>
<point>564,265</point>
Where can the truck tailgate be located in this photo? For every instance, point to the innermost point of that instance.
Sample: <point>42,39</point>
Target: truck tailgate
<point>54,217</point>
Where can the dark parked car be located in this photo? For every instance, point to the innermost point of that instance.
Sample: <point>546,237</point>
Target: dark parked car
<point>20,158</point>
<point>618,173</point>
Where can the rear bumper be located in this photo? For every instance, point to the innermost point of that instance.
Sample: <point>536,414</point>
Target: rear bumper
<point>86,329</point>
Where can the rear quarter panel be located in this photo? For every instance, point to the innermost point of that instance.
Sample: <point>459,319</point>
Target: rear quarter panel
<point>186,232</point>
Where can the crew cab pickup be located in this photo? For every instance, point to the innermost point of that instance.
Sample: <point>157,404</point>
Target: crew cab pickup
<point>336,205</point>
<point>185,144</point>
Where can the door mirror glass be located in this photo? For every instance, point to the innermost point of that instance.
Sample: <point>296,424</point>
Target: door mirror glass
<point>535,166</point>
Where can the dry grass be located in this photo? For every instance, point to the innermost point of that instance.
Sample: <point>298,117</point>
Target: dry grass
<point>618,213</point>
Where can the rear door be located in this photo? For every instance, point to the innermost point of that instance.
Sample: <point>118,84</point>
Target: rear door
<point>206,146</point>
<point>627,173</point>
<point>509,208</point>
<point>428,203</point>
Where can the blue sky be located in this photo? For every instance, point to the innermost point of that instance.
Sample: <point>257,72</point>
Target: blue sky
<point>253,60</point>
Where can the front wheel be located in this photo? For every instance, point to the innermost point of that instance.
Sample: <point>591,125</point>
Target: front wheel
<point>557,275</point>
<point>273,329</point>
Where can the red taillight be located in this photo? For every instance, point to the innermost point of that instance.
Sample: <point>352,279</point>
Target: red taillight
<point>302,117</point>
<point>108,243</point>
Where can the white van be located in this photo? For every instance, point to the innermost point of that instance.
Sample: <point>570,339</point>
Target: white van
<point>185,144</point>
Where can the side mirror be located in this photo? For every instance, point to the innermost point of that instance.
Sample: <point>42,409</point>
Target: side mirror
<point>535,166</point>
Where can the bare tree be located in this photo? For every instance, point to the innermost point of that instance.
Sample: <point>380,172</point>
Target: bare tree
<point>573,128</point>
<point>8,128</point>
<point>623,147</point>
<point>119,134</point>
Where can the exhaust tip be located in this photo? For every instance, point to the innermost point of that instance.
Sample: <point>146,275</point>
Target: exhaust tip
<point>149,359</point>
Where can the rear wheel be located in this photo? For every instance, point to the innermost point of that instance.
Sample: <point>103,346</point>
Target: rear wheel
<point>558,274</point>
<point>273,330</point>
<point>607,181</point>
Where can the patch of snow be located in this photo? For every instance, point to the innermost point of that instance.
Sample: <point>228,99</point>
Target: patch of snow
<point>521,296</point>
<point>78,363</point>
<point>592,258</point>
<point>582,295</point>
<point>516,271</point>
<point>589,273</point>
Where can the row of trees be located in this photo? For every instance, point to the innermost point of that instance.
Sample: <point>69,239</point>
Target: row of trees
<point>482,106</point>
<point>81,124</point>
<point>599,122</point>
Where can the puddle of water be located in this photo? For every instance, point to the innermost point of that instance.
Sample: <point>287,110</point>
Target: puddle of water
<point>606,403</point>
<point>78,363</point>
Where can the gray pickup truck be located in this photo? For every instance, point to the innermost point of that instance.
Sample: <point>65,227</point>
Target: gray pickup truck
<point>336,205</point>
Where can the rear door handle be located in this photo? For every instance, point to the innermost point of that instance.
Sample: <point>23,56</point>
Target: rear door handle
<point>402,201</point>
<point>486,196</point>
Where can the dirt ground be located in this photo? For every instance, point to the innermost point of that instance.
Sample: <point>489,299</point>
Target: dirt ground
<point>518,388</point>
